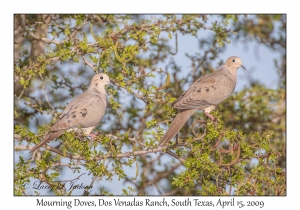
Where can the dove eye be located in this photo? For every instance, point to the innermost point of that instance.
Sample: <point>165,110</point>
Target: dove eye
<point>233,61</point>
<point>101,77</point>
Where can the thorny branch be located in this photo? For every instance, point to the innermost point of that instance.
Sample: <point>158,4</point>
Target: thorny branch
<point>79,157</point>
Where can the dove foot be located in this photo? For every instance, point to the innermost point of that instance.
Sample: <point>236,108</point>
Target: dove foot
<point>210,116</point>
<point>92,136</point>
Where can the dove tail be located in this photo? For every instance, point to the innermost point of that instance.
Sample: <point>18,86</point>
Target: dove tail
<point>176,125</point>
<point>48,138</point>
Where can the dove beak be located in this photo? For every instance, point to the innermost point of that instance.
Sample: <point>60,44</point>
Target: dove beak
<point>243,67</point>
<point>109,83</point>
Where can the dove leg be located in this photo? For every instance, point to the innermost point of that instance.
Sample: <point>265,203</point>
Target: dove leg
<point>210,116</point>
<point>92,135</point>
<point>208,110</point>
<point>87,133</point>
<point>88,130</point>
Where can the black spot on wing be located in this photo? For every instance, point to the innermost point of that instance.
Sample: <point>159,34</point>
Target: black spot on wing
<point>74,116</point>
<point>207,90</point>
<point>83,114</point>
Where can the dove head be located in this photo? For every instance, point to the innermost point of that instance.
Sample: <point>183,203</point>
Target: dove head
<point>233,63</point>
<point>99,81</point>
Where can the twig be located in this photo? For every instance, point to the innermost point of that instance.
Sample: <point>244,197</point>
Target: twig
<point>87,63</point>
<point>217,143</point>
<point>162,175</point>
<point>17,136</point>
<point>195,123</point>
<point>176,44</point>
<point>235,160</point>
<point>86,190</point>
<point>71,180</point>
<point>137,95</point>
<point>24,88</point>
<point>130,139</point>
<point>175,156</point>
<point>46,93</point>
<point>229,150</point>
<point>23,22</point>
<point>20,148</point>
<point>172,192</point>
<point>122,155</point>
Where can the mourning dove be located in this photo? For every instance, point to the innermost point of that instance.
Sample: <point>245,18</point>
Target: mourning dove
<point>86,111</point>
<point>205,93</point>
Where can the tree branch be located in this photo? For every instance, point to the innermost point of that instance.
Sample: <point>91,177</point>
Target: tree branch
<point>79,157</point>
<point>163,175</point>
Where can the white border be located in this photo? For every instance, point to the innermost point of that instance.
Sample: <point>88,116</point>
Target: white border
<point>153,6</point>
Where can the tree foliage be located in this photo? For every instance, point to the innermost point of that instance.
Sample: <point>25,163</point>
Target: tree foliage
<point>55,56</point>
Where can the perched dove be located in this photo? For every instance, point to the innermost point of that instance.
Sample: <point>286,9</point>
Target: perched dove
<point>86,110</point>
<point>205,93</point>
